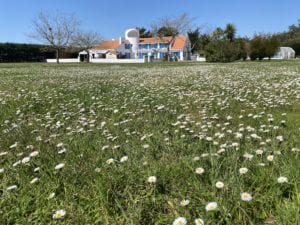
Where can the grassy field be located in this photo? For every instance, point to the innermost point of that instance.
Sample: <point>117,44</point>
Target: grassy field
<point>149,144</point>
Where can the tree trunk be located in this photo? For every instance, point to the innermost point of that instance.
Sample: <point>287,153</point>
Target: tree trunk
<point>57,55</point>
<point>88,56</point>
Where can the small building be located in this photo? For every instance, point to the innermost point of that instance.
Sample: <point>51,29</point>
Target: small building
<point>133,47</point>
<point>285,53</point>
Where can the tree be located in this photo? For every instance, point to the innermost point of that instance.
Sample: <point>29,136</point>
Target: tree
<point>262,46</point>
<point>224,47</point>
<point>167,31</point>
<point>257,48</point>
<point>55,29</point>
<point>223,51</point>
<point>230,31</point>
<point>218,33</point>
<point>271,46</point>
<point>241,44</point>
<point>172,26</point>
<point>144,33</point>
<point>85,41</point>
<point>194,37</point>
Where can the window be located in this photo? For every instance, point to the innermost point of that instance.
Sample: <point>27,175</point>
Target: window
<point>128,46</point>
<point>164,45</point>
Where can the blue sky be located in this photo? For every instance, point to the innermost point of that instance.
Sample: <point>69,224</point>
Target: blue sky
<point>111,17</point>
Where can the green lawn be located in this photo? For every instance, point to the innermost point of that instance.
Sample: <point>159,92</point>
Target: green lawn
<point>147,143</point>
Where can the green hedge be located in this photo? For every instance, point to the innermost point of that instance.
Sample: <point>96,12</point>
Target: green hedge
<point>14,52</point>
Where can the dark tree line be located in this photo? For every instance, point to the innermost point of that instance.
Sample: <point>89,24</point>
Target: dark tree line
<point>12,52</point>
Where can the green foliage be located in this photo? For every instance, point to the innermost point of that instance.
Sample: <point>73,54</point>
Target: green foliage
<point>194,37</point>
<point>225,51</point>
<point>262,46</point>
<point>230,31</point>
<point>144,33</point>
<point>218,34</point>
<point>167,31</point>
<point>14,52</point>
<point>224,47</point>
<point>11,52</point>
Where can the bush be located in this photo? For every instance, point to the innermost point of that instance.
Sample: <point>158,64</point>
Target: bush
<point>262,46</point>
<point>294,44</point>
<point>13,52</point>
<point>225,51</point>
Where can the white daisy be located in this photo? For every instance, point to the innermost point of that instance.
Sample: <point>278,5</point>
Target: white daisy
<point>180,221</point>
<point>211,206</point>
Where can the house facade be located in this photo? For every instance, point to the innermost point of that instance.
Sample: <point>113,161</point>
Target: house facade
<point>133,47</point>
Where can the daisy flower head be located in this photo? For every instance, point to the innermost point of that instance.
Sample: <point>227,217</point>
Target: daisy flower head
<point>185,202</point>
<point>145,146</point>
<point>282,180</point>
<point>124,159</point>
<point>59,214</point>
<point>199,170</point>
<point>199,221</point>
<point>180,221</point>
<point>270,158</point>
<point>211,206</point>
<point>34,180</point>
<point>279,138</point>
<point>110,161</point>
<point>12,187</point>
<point>152,179</point>
<point>246,197</point>
<point>33,154</point>
<point>219,185</point>
<point>52,195</point>
<point>243,170</point>
<point>59,166</point>
<point>25,160</point>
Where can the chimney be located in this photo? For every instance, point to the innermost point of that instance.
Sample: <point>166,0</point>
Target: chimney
<point>120,40</point>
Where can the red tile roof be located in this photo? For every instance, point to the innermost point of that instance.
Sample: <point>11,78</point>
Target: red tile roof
<point>153,40</point>
<point>111,44</point>
<point>179,42</point>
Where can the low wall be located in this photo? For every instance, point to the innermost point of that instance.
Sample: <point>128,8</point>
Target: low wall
<point>63,60</point>
<point>117,60</point>
<point>98,60</point>
<point>201,59</point>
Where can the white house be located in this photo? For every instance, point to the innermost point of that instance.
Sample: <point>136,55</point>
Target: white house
<point>134,47</point>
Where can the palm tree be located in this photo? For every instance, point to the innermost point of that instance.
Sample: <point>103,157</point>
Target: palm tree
<point>230,31</point>
<point>218,33</point>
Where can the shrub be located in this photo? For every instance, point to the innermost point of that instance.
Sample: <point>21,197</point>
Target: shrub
<point>225,51</point>
<point>262,46</point>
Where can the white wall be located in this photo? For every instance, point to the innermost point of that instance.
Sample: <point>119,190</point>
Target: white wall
<point>97,60</point>
<point>117,60</point>
<point>63,60</point>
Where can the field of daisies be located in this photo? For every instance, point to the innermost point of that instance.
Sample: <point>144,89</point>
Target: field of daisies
<point>177,143</point>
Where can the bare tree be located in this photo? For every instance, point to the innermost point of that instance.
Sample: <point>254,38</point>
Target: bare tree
<point>54,29</point>
<point>85,41</point>
<point>172,26</point>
